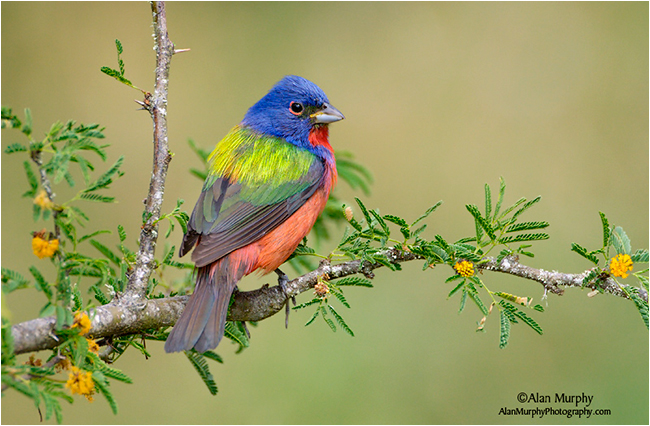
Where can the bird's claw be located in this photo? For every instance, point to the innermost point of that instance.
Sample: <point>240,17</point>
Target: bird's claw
<point>283,279</point>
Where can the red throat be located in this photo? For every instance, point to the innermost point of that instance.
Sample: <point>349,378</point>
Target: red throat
<point>318,136</point>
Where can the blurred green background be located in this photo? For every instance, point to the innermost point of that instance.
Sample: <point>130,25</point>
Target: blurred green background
<point>439,99</point>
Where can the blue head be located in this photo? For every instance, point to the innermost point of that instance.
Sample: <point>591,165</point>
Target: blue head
<point>291,110</point>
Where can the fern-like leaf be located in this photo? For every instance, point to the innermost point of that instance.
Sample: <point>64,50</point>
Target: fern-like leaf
<point>504,333</point>
<point>201,366</point>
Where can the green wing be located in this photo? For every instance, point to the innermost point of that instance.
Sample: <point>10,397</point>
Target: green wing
<point>255,183</point>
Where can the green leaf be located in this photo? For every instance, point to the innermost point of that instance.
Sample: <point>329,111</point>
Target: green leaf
<point>31,178</point>
<point>106,178</point>
<point>584,253</point>
<point>213,356</point>
<point>477,299</point>
<point>512,207</point>
<point>328,321</point>
<point>99,296</point>
<point>504,333</point>
<point>526,206</point>
<point>116,74</point>
<point>488,201</point>
<point>96,197</point>
<point>440,242</point>
<point>529,321</point>
<point>458,286</point>
<point>607,232</point>
<point>108,371</point>
<point>502,191</point>
<point>235,334</point>
<point>27,125</point>
<point>427,213</point>
<point>313,317</point>
<point>110,255</point>
<point>641,305</point>
<point>354,281</point>
<point>201,366</point>
<point>538,308</point>
<point>303,250</point>
<point>396,220</point>
<point>182,218</point>
<point>511,297</point>
<point>99,232</point>
<point>118,45</point>
<point>200,152</point>
<point>381,222</point>
<point>364,211</point>
<point>481,221</point>
<point>8,118</point>
<point>463,300</point>
<point>523,237</point>
<point>620,241</point>
<point>339,295</point>
<point>526,226</point>
<point>15,147</point>
<point>121,232</point>
<point>309,303</point>
<point>41,284</point>
<point>102,385</point>
<point>641,255</point>
<point>340,320</point>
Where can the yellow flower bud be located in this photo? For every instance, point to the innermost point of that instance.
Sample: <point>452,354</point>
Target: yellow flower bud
<point>464,268</point>
<point>43,247</point>
<point>82,321</point>
<point>620,265</point>
<point>81,382</point>
<point>43,200</point>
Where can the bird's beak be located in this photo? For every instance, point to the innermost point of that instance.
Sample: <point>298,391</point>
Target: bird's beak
<point>328,114</point>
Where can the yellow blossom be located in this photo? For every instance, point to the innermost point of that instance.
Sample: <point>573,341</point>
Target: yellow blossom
<point>81,382</point>
<point>43,200</point>
<point>42,247</point>
<point>92,346</point>
<point>82,321</point>
<point>464,268</point>
<point>620,264</point>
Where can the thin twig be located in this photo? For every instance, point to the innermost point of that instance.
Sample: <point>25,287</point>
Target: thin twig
<point>156,104</point>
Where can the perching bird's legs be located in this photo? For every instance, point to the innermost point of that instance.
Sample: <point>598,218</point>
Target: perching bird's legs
<point>283,279</point>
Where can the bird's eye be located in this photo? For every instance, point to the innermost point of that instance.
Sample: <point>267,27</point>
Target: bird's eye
<point>296,108</point>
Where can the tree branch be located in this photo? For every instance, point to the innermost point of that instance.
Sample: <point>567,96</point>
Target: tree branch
<point>156,104</point>
<point>116,318</point>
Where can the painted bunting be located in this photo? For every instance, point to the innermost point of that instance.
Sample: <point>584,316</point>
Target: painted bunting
<point>268,180</point>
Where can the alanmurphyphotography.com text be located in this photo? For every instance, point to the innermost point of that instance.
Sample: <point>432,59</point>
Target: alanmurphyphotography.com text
<point>563,404</point>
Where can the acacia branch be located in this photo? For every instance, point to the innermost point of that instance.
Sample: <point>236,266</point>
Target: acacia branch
<point>116,319</point>
<point>156,104</point>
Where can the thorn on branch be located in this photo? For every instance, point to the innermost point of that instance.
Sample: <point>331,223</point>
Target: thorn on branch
<point>146,103</point>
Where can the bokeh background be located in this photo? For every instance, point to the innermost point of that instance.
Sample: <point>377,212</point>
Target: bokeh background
<point>439,98</point>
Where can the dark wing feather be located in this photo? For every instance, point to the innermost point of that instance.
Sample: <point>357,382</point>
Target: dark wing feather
<point>224,219</point>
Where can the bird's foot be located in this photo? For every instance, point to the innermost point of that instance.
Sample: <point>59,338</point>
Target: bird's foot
<point>283,279</point>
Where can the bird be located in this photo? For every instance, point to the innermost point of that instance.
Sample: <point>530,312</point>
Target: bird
<point>268,180</point>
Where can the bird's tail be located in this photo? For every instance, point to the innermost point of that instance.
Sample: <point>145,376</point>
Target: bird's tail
<point>201,325</point>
